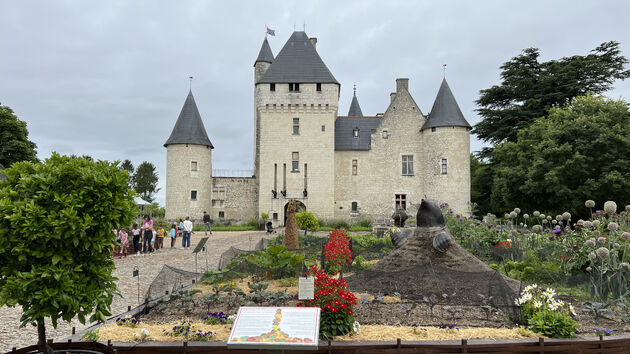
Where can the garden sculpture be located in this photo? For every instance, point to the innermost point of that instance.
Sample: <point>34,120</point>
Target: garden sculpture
<point>400,216</point>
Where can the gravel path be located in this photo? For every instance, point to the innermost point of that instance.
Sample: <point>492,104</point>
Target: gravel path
<point>13,336</point>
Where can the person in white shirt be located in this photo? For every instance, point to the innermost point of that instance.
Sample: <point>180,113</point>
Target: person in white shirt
<point>188,227</point>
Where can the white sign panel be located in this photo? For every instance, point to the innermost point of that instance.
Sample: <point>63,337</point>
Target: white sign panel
<point>306,289</point>
<point>275,328</point>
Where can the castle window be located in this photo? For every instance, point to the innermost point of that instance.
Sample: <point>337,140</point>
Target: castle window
<point>323,128</point>
<point>275,216</point>
<point>193,195</point>
<point>295,166</point>
<point>355,206</point>
<point>401,201</point>
<point>355,132</point>
<point>221,214</point>
<point>433,129</point>
<point>444,166</point>
<point>272,87</point>
<point>294,87</point>
<point>296,125</point>
<point>354,167</point>
<point>318,87</point>
<point>407,165</point>
<point>385,134</point>
<point>193,166</point>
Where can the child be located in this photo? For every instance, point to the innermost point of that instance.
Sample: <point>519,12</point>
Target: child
<point>124,242</point>
<point>160,238</point>
<point>135,231</point>
<point>114,247</point>
<point>173,235</point>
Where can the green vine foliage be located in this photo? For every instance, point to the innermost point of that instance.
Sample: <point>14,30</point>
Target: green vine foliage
<point>56,245</point>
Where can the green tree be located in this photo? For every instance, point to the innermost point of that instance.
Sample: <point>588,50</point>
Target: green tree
<point>14,137</point>
<point>578,152</point>
<point>481,180</point>
<point>306,221</point>
<point>529,88</point>
<point>127,165</point>
<point>145,181</point>
<point>56,244</point>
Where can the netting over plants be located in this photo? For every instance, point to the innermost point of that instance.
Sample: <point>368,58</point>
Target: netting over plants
<point>440,285</point>
<point>170,280</point>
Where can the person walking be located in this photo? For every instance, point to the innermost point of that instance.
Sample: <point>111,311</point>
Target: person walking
<point>173,235</point>
<point>124,243</point>
<point>207,223</point>
<point>188,227</point>
<point>160,238</point>
<point>147,233</point>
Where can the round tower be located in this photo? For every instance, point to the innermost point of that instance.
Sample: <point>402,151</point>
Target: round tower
<point>446,138</point>
<point>188,165</point>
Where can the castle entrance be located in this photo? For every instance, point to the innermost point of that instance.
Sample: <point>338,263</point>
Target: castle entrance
<point>299,207</point>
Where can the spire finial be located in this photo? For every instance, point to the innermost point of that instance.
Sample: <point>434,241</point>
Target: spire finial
<point>444,70</point>
<point>355,88</point>
<point>190,78</point>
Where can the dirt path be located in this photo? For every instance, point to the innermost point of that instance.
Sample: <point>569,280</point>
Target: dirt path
<point>13,336</point>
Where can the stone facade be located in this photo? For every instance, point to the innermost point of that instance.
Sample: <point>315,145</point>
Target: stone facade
<point>295,158</point>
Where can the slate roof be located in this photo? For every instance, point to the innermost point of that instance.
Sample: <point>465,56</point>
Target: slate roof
<point>445,111</point>
<point>189,127</point>
<point>344,137</point>
<point>298,61</point>
<point>355,109</point>
<point>265,53</point>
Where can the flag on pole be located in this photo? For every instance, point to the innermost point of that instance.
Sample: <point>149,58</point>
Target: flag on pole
<point>270,31</point>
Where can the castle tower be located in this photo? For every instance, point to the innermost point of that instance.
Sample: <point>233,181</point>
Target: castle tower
<point>188,165</point>
<point>296,105</point>
<point>446,136</point>
<point>262,63</point>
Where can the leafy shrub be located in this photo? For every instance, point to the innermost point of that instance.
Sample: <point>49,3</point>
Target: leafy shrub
<point>306,221</point>
<point>367,223</point>
<point>277,257</point>
<point>90,336</point>
<point>335,301</point>
<point>545,313</point>
<point>337,252</point>
<point>553,324</point>
<point>361,264</point>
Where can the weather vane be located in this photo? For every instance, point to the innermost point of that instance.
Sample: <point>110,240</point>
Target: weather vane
<point>444,69</point>
<point>190,78</point>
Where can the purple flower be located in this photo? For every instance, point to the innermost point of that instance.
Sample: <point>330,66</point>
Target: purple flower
<point>460,219</point>
<point>557,231</point>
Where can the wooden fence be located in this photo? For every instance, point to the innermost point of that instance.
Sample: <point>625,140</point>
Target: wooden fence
<point>596,346</point>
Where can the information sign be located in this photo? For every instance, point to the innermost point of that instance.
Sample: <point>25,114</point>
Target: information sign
<point>306,289</point>
<point>275,328</point>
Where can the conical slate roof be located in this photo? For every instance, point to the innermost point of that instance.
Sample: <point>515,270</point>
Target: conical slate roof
<point>298,61</point>
<point>189,127</point>
<point>355,109</point>
<point>445,111</point>
<point>265,53</point>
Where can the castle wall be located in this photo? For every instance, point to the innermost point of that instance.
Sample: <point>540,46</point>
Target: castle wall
<point>379,178</point>
<point>181,180</point>
<point>452,144</point>
<point>235,198</point>
<point>314,145</point>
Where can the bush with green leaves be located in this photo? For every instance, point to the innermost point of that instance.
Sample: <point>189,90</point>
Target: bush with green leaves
<point>306,221</point>
<point>56,245</point>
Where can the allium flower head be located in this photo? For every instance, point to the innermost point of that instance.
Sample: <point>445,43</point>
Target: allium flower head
<point>596,223</point>
<point>626,236</point>
<point>549,217</point>
<point>554,221</point>
<point>592,256</point>
<point>537,228</point>
<point>613,226</point>
<point>625,265</point>
<point>536,213</point>
<point>588,224</point>
<point>566,216</point>
<point>542,216</point>
<point>601,239</point>
<point>506,216</point>
<point>580,222</point>
<point>545,221</point>
<point>628,208</point>
<point>590,203</point>
<point>559,217</point>
<point>610,207</point>
<point>616,245</point>
<point>517,210</point>
<point>590,242</point>
<point>603,252</point>
<point>526,216</point>
<point>513,214</point>
<point>589,269</point>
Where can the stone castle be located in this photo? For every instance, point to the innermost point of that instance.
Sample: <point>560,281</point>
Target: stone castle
<point>350,167</point>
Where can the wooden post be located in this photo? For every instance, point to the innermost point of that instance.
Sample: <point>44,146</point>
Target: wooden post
<point>329,350</point>
<point>398,343</point>
<point>69,340</point>
<point>185,350</point>
<point>109,342</point>
<point>600,345</point>
<point>464,346</point>
<point>541,344</point>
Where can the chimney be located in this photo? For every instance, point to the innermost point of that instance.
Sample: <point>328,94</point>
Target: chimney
<point>392,96</point>
<point>313,42</point>
<point>402,84</point>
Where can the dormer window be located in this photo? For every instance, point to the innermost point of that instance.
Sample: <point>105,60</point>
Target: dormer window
<point>355,132</point>
<point>294,87</point>
<point>272,87</point>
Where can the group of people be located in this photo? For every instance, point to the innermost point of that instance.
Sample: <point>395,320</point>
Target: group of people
<point>148,238</point>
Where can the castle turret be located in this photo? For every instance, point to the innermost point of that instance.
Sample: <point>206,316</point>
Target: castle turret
<point>296,105</point>
<point>262,63</point>
<point>188,165</point>
<point>355,109</point>
<point>446,136</point>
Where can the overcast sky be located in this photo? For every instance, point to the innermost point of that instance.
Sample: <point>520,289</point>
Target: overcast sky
<point>108,78</point>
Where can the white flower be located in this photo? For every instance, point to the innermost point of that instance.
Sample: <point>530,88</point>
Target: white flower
<point>553,306</point>
<point>536,213</point>
<point>231,317</point>
<point>145,332</point>
<point>550,292</point>
<point>560,303</point>
<point>572,310</point>
<point>517,302</point>
<point>356,327</point>
<point>136,335</point>
<point>610,207</point>
<point>537,304</point>
<point>527,297</point>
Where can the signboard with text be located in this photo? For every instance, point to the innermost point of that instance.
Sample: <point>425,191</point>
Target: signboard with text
<point>275,328</point>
